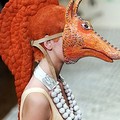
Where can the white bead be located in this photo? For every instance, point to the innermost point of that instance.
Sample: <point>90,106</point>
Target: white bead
<point>75,118</point>
<point>61,110</point>
<point>66,91</point>
<point>69,118</point>
<point>65,115</point>
<point>60,95</point>
<point>53,94</point>
<point>69,90</point>
<point>72,115</point>
<point>78,117</point>
<point>69,98</point>
<point>59,105</point>
<point>64,83</point>
<point>68,111</point>
<point>79,112</point>
<point>72,96</point>
<point>56,100</point>
<point>68,94</point>
<point>71,105</point>
<point>62,101</point>
<point>67,86</point>
<point>71,109</point>
<point>65,106</point>
<point>70,101</point>
<point>57,90</point>
<point>74,102</point>
<point>58,87</point>
<point>76,108</point>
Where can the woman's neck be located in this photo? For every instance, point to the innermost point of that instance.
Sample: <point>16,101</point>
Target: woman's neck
<point>46,67</point>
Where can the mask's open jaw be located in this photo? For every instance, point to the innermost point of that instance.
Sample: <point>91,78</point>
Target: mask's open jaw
<point>97,54</point>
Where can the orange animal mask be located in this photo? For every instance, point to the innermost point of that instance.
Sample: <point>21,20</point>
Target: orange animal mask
<point>80,40</point>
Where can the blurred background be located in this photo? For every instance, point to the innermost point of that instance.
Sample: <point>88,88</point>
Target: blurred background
<point>95,83</point>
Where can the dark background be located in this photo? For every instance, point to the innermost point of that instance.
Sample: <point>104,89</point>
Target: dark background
<point>7,89</point>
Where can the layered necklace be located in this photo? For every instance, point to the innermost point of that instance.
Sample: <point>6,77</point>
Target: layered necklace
<point>68,112</point>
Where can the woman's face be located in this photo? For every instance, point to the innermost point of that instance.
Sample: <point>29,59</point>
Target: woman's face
<point>58,49</point>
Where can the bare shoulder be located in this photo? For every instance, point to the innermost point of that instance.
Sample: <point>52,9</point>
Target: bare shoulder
<point>37,98</point>
<point>36,107</point>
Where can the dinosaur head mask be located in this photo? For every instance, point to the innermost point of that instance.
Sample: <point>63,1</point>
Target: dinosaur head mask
<point>80,40</point>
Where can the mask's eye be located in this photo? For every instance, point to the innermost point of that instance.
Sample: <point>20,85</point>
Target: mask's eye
<point>86,26</point>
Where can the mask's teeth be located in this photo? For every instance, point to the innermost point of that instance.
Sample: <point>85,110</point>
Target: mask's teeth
<point>102,38</point>
<point>99,35</point>
<point>112,45</point>
<point>106,41</point>
<point>117,49</point>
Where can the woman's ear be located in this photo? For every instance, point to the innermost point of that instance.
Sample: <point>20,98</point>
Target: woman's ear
<point>48,45</point>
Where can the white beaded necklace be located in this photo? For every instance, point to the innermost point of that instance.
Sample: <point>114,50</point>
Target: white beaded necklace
<point>70,112</point>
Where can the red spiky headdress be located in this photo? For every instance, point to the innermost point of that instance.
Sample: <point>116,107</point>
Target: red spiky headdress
<point>20,22</point>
